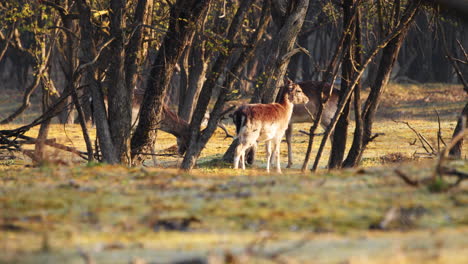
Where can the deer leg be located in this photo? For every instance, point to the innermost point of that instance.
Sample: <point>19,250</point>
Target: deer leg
<point>242,159</point>
<point>268,154</point>
<point>288,142</point>
<point>273,157</point>
<point>276,153</point>
<point>238,154</point>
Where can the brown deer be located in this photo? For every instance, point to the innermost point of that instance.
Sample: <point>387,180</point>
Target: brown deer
<point>172,123</point>
<point>266,123</point>
<point>302,112</point>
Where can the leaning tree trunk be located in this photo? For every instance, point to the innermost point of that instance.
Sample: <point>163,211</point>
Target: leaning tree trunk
<point>289,23</point>
<point>184,15</point>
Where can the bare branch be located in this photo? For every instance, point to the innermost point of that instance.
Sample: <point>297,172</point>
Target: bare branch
<point>406,179</point>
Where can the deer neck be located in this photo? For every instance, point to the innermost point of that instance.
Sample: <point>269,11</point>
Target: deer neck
<point>288,105</point>
<point>171,123</point>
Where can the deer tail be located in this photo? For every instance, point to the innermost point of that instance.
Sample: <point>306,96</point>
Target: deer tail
<point>239,119</point>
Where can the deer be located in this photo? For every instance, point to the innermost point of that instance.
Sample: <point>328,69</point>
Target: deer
<point>171,123</point>
<point>307,112</point>
<point>266,123</point>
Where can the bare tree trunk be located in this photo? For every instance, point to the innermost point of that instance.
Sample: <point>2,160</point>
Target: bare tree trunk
<point>119,94</point>
<point>347,72</point>
<point>184,14</point>
<point>134,51</point>
<point>88,54</point>
<point>289,24</point>
<point>39,148</point>
<point>456,151</point>
<point>199,139</point>
<point>351,159</point>
<point>404,23</point>
<point>67,116</point>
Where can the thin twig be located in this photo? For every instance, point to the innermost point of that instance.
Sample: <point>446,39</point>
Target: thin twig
<point>421,138</point>
<point>439,133</point>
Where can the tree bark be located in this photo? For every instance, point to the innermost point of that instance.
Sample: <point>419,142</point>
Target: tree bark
<point>351,159</point>
<point>282,49</point>
<point>198,64</point>
<point>119,96</point>
<point>184,15</point>
<point>347,72</point>
<point>88,54</point>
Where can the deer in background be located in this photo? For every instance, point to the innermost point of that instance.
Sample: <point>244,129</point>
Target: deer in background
<point>302,112</point>
<point>172,123</point>
<point>266,123</point>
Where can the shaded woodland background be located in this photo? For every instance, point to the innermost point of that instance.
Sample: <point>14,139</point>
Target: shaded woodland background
<point>197,57</point>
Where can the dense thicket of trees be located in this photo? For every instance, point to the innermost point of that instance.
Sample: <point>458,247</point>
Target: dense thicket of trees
<point>195,56</point>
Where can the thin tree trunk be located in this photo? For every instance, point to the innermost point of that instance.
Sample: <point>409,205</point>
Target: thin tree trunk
<point>351,159</point>
<point>67,116</point>
<point>347,72</point>
<point>39,148</point>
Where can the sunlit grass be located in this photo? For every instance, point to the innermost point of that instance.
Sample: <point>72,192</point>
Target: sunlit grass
<point>116,213</point>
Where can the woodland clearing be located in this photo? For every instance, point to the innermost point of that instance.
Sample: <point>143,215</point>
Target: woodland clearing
<point>69,212</point>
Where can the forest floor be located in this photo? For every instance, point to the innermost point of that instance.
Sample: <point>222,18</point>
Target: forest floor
<point>70,212</point>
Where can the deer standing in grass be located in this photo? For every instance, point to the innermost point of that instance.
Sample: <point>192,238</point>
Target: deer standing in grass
<point>266,123</point>
<point>302,112</point>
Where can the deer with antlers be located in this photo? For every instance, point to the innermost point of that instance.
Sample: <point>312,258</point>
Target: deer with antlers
<point>266,123</point>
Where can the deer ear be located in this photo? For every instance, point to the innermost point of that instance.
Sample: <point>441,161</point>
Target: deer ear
<point>287,81</point>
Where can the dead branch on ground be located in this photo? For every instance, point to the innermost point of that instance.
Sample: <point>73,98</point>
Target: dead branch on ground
<point>424,142</point>
<point>440,171</point>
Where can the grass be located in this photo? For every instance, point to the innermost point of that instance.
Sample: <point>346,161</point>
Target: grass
<point>113,214</point>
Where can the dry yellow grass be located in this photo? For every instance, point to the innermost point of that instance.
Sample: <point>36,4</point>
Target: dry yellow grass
<point>115,214</point>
